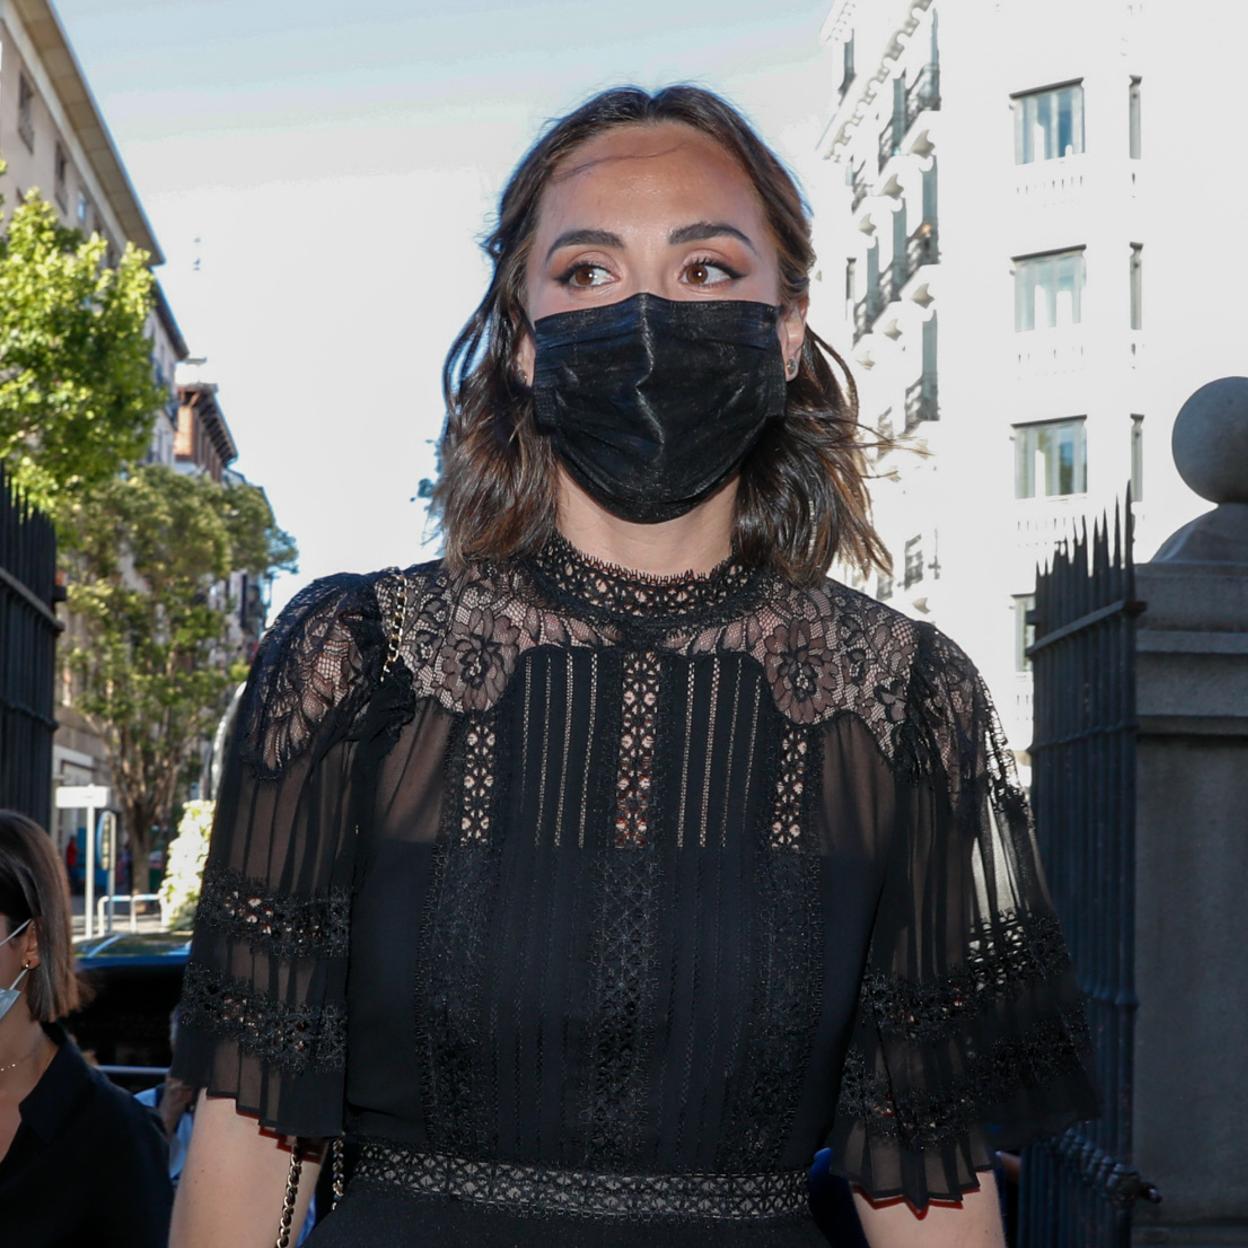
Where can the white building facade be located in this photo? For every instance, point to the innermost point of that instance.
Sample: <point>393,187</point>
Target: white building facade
<point>997,237</point>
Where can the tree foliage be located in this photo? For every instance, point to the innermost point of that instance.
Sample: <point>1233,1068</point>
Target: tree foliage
<point>77,392</point>
<point>153,663</point>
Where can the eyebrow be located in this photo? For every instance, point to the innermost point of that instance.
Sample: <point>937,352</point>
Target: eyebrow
<point>698,232</point>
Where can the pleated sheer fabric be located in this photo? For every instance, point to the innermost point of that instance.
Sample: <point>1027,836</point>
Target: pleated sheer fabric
<point>262,1016</point>
<point>971,1032</point>
<point>554,868</point>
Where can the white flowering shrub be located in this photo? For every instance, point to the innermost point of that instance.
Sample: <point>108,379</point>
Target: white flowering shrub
<point>184,867</point>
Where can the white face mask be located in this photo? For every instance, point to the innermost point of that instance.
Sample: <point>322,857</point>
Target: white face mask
<point>9,995</point>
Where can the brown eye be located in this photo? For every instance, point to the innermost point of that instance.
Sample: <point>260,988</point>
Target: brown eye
<point>708,273</point>
<point>584,276</point>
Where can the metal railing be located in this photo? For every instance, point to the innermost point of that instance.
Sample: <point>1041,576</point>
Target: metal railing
<point>104,920</point>
<point>921,249</point>
<point>858,186</point>
<point>888,142</point>
<point>1078,1189</point>
<point>921,402</point>
<point>923,93</point>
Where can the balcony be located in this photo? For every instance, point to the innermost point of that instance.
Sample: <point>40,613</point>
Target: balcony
<point>922,94</point>
<point>1051,183</point>
<point>1044,353</point>
<point>867,309</point>
<point>921,403</point>
<point>921,249</point>
<point>888,143</point>
<point>858,186</point>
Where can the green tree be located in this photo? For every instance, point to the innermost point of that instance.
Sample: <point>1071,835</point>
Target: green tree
<point>77,392</point>
<point>154,673</point>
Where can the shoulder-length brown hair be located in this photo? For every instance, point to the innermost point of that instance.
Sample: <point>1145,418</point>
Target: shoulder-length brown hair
<point>33,885</point>
<point>802,499</point>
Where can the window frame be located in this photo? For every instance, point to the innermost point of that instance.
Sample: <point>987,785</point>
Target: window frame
<point>26,111</point>
<point>1023,430</point>
<point>1079,130</point>
<point>1036,258</point>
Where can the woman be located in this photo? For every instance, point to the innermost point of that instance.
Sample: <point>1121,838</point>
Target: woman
<point>80,1161</point>
<point>594,876</point>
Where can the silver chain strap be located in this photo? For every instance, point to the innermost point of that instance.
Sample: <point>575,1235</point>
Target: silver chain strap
<point>399,627</point>
<point>292,1191</point>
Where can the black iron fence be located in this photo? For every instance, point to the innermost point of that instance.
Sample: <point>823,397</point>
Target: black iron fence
<point>28,631</point>
<point>1078,1189</point>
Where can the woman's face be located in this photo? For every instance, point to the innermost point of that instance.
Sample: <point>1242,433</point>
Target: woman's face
<point>659,208</point>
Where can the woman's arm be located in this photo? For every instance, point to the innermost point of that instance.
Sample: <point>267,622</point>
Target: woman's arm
<point>976,1223</point>
<point>234,1182</point>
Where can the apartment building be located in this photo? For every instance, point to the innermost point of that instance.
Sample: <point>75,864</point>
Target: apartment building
<point>992,203</point>
<point>169,350</point>
<point>53,136</point>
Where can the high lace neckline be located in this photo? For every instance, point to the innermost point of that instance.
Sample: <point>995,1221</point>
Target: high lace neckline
<point>642,597</point>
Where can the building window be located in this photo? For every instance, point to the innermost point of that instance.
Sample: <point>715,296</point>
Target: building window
<point>1024,633</point>
<point>1137,286</point>
<point>847,64</point>
<point>26,112</point>
<point>1133,110</point>
<point>84,210</point>
<point>884,588</point>
<point>1137,457</point>
<point>1050,458</point>
<point>1048,290</point>
<point>1048,124</point>
<point>914,561</point>
<point>62,178</point>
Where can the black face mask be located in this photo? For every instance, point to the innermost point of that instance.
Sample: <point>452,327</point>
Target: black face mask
<point>651,403</point>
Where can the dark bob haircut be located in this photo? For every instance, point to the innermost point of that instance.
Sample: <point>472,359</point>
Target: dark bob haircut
<point>801,501</point>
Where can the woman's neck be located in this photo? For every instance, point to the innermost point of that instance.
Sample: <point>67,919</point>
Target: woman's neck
<point>25,1049</point>
<point>698,541</point>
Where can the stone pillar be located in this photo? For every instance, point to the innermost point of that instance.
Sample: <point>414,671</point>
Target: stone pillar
<point>1191,924</point>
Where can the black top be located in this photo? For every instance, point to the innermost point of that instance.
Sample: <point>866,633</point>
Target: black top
<point>88,1167</point>
<point>577,893</point>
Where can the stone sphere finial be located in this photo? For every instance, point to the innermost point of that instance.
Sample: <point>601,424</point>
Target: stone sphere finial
<point>1210,447</point>
<point>1210,440</point>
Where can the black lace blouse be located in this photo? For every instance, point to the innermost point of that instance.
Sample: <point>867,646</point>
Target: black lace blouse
<point>580,897</point>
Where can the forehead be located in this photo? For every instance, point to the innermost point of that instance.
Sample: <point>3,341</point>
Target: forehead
<point>630,174</point>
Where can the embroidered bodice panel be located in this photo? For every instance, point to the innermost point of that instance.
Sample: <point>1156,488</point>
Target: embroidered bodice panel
<point>559,865</point>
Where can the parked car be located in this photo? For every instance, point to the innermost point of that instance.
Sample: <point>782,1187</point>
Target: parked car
<point>136,978</point>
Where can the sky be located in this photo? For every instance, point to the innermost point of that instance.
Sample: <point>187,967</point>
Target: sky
<point>319,175</point>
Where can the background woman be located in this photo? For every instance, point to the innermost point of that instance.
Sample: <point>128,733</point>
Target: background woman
<point>80,1161</point>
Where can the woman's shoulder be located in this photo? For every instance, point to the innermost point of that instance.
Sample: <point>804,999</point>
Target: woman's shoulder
<point>321,657</point>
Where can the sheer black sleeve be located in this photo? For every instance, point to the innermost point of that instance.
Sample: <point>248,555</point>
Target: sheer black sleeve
<point>971,1032</point>
<point>262,1015</point>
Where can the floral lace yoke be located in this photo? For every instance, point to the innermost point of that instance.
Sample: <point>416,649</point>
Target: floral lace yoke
<point>581,897</point>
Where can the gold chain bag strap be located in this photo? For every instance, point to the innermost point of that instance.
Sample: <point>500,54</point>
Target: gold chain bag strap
<point>394,643</point>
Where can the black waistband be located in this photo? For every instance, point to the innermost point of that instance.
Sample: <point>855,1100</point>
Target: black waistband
<point>533,1189</point>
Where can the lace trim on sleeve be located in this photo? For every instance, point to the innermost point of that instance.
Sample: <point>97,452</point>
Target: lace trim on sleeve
<point>1021,950</point>
<point>285,927</point>
<point>1053,1048</point>
<point>291,1038</point>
